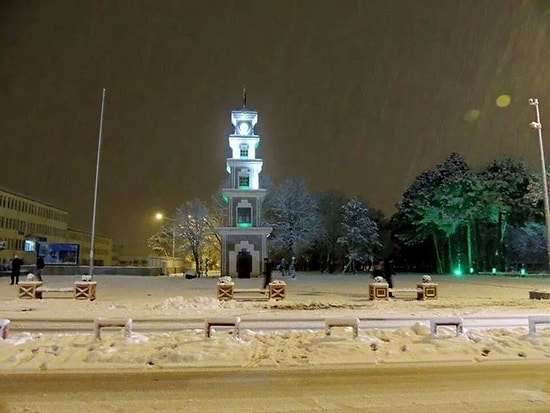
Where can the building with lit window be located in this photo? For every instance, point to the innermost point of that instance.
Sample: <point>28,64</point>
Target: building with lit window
<point>27,223</point>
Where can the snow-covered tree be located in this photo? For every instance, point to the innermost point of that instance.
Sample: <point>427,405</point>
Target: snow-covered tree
<point>293,214</point>
<point>413,227</point>
<point>360,232</point>
<point>161,242</point>
<point>526,245</point>
<point>194,227</point>
<point>509,196</point>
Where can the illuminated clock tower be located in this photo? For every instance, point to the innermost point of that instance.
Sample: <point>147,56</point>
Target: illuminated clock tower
<point>244,239</point>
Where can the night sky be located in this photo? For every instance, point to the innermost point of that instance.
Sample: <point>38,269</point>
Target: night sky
<point>358,96</point>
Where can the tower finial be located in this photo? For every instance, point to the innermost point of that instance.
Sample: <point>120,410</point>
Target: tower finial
<point>244,98</point>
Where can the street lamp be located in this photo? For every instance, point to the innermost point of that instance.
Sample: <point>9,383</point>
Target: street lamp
<point>159,216</point>
<point>538,126</point>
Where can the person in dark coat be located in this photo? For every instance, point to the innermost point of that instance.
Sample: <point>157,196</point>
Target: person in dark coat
<point>378,270</point>
<point>16,264</point>
<point>39,266</point>
<point>268,268</point>
<point>389,272</point>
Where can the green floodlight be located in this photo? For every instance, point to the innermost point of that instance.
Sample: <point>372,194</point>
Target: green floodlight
<point>471,270</point>
<point>494,271</point>
<point>458,272</point>
<point>522,272</point>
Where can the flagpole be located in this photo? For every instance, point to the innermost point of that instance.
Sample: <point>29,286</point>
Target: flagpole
<point>92,244</point>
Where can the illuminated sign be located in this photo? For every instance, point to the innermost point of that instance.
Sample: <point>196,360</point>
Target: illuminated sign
<point>59,254</point>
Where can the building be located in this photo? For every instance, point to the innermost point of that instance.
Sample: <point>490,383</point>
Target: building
<point>26,223</point>
<point>103,247</point>
<point>244,240</point>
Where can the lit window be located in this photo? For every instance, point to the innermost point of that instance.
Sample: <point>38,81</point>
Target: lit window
<point>29,245</point>
<point>243,151</point>
<point>244,216</point>
<point>244,181</point>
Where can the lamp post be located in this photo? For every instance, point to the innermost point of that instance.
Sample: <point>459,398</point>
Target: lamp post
<point>159,216</point>
<point>538,126</point>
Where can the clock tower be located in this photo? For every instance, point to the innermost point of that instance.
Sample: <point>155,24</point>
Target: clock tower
<point>244,239</point>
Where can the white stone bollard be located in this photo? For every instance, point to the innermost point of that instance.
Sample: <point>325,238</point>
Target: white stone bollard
<point>4,328</point>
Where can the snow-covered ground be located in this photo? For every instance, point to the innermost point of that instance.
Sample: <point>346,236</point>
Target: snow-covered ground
<point>168,314</point>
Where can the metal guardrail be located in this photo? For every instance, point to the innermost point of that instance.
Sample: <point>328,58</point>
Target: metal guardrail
<point>256,324</point>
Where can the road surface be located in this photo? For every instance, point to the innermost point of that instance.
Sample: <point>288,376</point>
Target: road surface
<point>511,387</point>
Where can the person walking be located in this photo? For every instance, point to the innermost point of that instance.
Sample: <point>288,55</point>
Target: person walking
<point>268,268</point>
<point>39,266</point>
<point>16,264</point>
<point>292,268</point>
<point>282,267</point>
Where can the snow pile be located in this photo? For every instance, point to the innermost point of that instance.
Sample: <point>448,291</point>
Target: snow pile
<point>182,303</point>
<point>226,281</point>
<point>313,297</point>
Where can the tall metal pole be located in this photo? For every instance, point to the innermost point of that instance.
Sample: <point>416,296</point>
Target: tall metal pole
<point>174,245</point>
<point>538,126</point>
<point>92,244</point>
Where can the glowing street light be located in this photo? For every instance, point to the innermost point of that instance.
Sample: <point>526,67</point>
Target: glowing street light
<point>538,126</point>
<point>159,216</point>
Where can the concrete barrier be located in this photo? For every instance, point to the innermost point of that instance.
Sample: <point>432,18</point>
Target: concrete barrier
<point>537,319</point>
<point>125,323</point>
<point>453,322</point>
<point>342,322</point>
<point>234,322</point>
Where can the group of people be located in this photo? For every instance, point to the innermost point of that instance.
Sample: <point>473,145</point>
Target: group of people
<point>285,269</point>
<point>288,268</point>
<point>16,264</point>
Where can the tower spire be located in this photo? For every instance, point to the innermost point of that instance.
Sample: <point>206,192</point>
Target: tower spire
<point>244,98</point>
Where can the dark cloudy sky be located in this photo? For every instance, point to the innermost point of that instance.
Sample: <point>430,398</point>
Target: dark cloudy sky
<point>359,96</point>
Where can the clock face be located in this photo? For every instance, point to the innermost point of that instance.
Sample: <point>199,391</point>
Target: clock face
<point>244,128</point>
